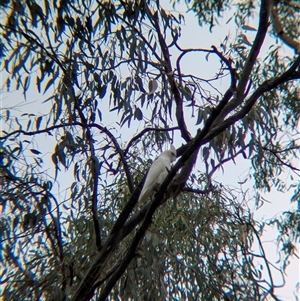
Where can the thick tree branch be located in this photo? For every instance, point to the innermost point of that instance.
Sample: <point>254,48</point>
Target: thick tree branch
<point>248,67</point>
<point>118,234</point>
<point>254,52</point>
<point>268,85</point>
<point>140,233</point>
<point>181,177</point>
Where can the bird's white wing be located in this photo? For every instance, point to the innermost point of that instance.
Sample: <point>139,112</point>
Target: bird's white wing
<point>166,162</point>
<point>156,175</point>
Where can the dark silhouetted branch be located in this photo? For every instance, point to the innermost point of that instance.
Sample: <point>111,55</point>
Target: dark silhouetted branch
<point>278,27</point>
<point>169,72</point>
<point>143,132</point>
<point>248,67</point>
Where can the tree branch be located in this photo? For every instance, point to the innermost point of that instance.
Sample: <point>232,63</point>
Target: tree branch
<point>117,234</point>
<point>282,34</point>
<point>258,41</point>
<point>281,161</point>
<point>184,52</point>
<point>95,168</point>
<point>138,236</point>
<point>266,86</point>
<point>143,132</point>
<point>271,284</point>
<point>120,231</point>
<point>169,72</point>
<point>228,63</point>
<point>95,125</point>
<point>215,168</point>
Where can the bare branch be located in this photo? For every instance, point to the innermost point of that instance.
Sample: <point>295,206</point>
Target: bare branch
<point>228,63</point>
<point>184,52</point>
<point>215,168</point>
<point>143,132</point>
<point>264,257</point>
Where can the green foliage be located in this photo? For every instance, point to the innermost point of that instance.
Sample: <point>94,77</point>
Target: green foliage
<point>208,12</point>
<point>110,90</point>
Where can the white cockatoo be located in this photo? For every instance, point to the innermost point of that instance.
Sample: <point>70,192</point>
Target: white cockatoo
<point>157,173</point>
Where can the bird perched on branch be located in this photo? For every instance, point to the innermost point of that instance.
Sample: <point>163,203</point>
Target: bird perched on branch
<point>157,173</point>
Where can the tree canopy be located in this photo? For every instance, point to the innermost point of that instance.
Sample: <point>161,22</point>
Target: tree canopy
<point>107,89</point>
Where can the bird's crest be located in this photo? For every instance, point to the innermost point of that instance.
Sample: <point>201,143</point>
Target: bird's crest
<point>173,150</point>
